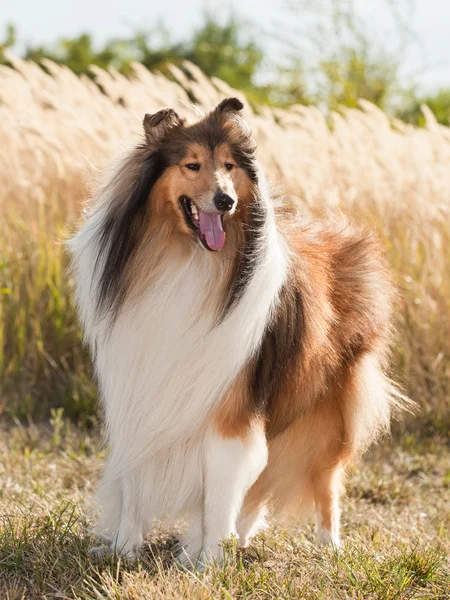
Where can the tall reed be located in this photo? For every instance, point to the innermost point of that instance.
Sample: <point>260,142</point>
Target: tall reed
<point>58,130</point>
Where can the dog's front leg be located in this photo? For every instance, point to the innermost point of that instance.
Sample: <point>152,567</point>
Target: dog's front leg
<point>231,465</point>
<point>129,536</point>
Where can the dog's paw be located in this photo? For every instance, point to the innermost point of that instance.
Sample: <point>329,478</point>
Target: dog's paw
<point>327,538</point>
<point>106,551</point>
<point>124,550</point>
<point>187,560</point>
<point>126,546</point>
<point>189,557</point>
<point>188,551</point>
<point>99,552</point>
<point>202,559</point>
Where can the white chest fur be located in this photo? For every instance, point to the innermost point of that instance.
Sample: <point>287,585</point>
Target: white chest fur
<point>166,363</point>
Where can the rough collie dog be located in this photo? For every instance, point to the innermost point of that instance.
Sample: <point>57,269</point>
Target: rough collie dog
<point>240,352</point>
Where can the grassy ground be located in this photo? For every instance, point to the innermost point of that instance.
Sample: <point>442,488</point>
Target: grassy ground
<point>396,529</point>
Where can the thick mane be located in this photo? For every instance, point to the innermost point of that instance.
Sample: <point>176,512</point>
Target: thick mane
<point>247,256</point>
<point>123,225</point>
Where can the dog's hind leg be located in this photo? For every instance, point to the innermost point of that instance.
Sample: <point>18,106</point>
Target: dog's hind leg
<point>251,522</point>
<point>361,411</point>
<point>326,490</point>
<point>253,514</point>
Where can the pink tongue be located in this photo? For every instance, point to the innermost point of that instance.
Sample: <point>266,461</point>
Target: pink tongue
<point>211,230</point>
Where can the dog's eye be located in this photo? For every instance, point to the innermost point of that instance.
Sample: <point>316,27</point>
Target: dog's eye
<point>229,166</point>
<point>193,166</point>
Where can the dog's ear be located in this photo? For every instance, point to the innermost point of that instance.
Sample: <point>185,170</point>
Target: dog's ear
<point>157,125</point>
<point>228,112</point>
<point>229,107</point>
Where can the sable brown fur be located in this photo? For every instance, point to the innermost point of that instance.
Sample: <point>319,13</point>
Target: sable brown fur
<point>333,311</point>
<point>335,307</point>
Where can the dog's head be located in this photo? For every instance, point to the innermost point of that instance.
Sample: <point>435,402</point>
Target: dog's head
<point>186,185</point>
<point>206,170</point>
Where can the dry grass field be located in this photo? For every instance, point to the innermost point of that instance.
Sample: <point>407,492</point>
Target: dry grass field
<point>396,530</point>
<point>57,131</point>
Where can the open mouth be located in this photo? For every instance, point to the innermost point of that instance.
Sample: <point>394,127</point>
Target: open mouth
<point>208,226</point>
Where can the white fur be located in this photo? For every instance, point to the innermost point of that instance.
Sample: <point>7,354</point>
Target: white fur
<point>250,525</point>
<point>231,466</point>
<point>376,397</point>
<point>162,369</point>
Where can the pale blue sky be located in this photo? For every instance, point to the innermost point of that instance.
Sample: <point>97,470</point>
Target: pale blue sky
<point>43,21</point>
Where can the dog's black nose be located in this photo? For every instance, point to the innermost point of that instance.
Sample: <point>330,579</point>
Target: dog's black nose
<point>223,201</point>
